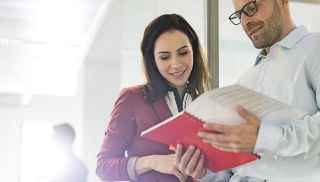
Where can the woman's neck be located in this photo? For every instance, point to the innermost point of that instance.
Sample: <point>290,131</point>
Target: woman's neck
<point>180,91</point>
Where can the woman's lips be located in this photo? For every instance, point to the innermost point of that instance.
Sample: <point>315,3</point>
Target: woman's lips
<point>178,74</point>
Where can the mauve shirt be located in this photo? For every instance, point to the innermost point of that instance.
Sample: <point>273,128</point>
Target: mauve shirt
<point>131,115</point>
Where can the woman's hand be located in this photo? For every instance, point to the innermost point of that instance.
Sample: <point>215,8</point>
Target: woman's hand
<point>191,162</point>
<point>162,163</point>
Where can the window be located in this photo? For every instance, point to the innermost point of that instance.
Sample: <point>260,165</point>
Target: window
<point>236,52</point>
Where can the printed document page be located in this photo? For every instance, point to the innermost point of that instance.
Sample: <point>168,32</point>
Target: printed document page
<point>219,105</point>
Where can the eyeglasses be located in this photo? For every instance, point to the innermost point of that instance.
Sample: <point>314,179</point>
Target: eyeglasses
<point>248,9</point>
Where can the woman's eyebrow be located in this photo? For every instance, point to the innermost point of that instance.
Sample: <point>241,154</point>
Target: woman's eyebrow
<point>163,52</point>
<point>182,47</point>
<point>167,52</point>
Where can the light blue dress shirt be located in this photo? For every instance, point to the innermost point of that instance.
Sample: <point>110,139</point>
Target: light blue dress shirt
<point>290,72</point>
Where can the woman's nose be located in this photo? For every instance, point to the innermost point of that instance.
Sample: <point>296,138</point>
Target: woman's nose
<point>176,63</point>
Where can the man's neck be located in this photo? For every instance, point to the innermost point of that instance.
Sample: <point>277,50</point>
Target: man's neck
<point>289,28</point>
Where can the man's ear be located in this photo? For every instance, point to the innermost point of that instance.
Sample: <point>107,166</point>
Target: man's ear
<point>284,2</point>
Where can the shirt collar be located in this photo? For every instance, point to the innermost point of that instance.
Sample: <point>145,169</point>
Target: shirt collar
<point>261,55</point>
<point>287,42</point>
<point>172,102</point>
<point>293,37</point>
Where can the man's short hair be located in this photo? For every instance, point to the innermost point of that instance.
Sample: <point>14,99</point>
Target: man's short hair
<point>64,133</point>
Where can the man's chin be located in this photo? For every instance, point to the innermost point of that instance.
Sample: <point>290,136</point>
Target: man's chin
<point>259,45</point>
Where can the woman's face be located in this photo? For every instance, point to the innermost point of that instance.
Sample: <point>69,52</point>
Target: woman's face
<point>174,57</point>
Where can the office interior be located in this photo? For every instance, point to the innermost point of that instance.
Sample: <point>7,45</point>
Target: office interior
<point>66,61</point>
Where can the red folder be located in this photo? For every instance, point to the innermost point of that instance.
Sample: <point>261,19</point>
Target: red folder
<point>183,129</point>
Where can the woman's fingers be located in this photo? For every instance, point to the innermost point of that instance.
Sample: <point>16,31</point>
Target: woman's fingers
<point>200,169</point>
<point>192,164</point>
<point>179,152</point>
<point>186,158</point>
<point>179,175</point>
<point>189,163</point>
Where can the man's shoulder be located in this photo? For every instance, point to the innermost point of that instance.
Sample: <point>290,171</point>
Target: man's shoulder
<point>312,39</point>
<point>309,47</point>
<point>314,34</point>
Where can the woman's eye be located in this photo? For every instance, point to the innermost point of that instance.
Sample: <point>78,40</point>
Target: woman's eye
<point>183,53</point>
<point>164,57</point>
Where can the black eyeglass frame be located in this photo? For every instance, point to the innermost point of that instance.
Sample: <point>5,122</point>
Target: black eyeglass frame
<point>237,14</point>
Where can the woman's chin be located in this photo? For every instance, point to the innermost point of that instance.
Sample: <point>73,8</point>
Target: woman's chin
<point>179,84</point>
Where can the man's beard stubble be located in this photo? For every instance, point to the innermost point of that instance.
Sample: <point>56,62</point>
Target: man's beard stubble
<point>272,30</point>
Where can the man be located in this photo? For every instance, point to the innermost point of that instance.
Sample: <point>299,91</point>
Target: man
<point>71,168</point>
<point>287,69</point>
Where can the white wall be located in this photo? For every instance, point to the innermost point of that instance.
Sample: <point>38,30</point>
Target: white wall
<point>10,118</point>
<point>42,109</point>
<point>29,64</point>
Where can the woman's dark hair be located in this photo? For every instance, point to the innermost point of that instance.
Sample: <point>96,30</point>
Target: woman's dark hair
<point>156,85</point>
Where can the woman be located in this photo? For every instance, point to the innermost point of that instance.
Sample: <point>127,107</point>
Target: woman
<point>176,73</point>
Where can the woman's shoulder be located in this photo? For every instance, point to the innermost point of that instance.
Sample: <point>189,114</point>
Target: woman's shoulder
<point>129,96</point>
<point>133,91</point>
<point>135,88</point>
<point>140,92</point>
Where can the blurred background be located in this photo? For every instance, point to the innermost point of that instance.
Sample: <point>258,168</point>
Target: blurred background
<point>64,61</point>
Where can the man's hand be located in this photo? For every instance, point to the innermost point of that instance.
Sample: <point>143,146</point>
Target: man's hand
<point>233,138</point>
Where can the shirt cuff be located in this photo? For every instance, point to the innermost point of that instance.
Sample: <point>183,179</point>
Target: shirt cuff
<point>131,168</point>
<point>221,176</point>
<point>206,177</point>
<point>268,139</point>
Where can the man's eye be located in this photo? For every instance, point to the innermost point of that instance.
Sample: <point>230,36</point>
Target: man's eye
<point>250,9</point>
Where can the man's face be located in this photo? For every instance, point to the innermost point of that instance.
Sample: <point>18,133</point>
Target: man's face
<point>265,27</point>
